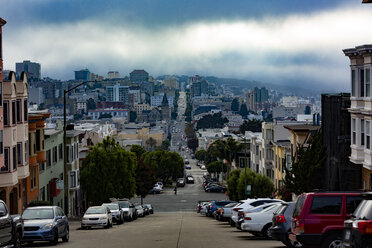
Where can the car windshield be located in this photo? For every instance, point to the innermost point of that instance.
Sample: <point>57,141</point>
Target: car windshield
<point>38,213</point>
<point>300,202</point>
<point>230,205</point>
<point>138,207</point>
<point>364,210</point>
<point>96,210</point>
<point>281,209</point>
<point>112,206</point>
<point>124,204</point>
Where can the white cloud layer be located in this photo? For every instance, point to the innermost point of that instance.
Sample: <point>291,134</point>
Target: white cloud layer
<point>295,48</point>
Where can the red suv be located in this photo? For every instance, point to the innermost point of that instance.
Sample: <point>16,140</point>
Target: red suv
<point>318,218</point>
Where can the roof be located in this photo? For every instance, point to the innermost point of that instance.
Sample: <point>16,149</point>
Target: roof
<point>139,72</point>
<point>283,143</point>
<point>2,22</point>
<point>50,132</point>
<point>302,127</point>
<point>165,100</point>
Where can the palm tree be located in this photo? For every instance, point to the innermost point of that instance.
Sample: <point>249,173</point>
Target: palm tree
<point>151,142</point>
<point>227,149</point>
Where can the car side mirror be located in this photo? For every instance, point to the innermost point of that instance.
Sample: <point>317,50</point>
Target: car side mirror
<point>59,218</point>
<point>2,213</point>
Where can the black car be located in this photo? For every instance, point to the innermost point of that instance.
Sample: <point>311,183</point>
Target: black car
<point>215,188</point>
<point>11,228</point>
<point>181,182</point>
<point>358,229</point>
<point>281,225</point>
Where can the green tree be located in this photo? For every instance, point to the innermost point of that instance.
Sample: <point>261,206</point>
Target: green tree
<point>138,150</point>
<point>212,121</point>
<point>145,179</point>
<point>151,143</point>
<point>91,104</point>
<point>165,145</point>
<point>235,105</point>
<point>165,164</point>
<point>246,178</point>
<point>251,125</point>
<point>306,172</point>
<point>261,185</point>
<point>307,110</point>
<point>189,131</point>
<point>193,143</point>
<point>108,171</point>
<point>132,116</point>
<point>243,110</point>
<point>216,167</point>
<point>232,184</point>
<point>201,155</point>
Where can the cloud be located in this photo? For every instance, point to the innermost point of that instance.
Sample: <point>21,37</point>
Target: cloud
<point>303,48</point>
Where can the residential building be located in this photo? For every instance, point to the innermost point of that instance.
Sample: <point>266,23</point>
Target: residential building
<point>111,113</point>
<point>82,75</point>
<point>37,158</point>
<point>339,172</point>
<point>51,186</point>
<point>361,110</point>
<point>32,69</point>
<point>256,151</point>
<point>142,132</point>
<point>156,101</point>
<point>113,75</point>
<point>139,76</point>
<point>139,107</point>
<point>81,107</point>
<point>2,23</point>
<point>14,174</point>
<point>282,160</point>
<point>117,93</point>
<point>135,93</point>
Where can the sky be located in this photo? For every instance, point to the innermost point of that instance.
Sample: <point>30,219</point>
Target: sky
<point>287,42</point>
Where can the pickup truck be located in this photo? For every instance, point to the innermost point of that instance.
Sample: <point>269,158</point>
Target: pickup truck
<point>11,228</point>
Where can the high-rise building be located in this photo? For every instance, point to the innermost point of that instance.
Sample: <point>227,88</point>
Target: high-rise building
<point>83,75</point>
<point>32,69</point>
<point>139,76</point>
<point>361,110</point>
<point>113,75</point>
<point>117,93</point>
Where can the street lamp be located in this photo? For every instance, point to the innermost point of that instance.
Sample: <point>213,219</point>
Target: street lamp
<point>65,169</point>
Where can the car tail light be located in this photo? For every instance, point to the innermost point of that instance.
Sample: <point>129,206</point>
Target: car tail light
<point>301,227</point>
<point>236,209</point>
<point>280,219</point>
<point>222,211</point>
<point>247,218</point>
<point>240,213</point>
<point>365,227</point>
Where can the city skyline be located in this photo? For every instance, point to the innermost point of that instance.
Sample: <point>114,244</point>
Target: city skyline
<point>291,42</point>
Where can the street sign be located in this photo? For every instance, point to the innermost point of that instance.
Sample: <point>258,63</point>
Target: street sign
<point>249,189</point>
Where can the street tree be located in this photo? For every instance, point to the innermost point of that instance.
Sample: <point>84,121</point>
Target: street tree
<point>232,184</point>
<point>145,179</point>
<point>108,171</point>
<point>138,150</point>
<point>151,143</point>
<point>201,155</point>
<point>305,173</point>
<point>216,167</point>
<point>251,125</point>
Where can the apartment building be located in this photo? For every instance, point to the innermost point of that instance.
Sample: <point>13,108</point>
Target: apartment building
<point>361,110</point>
<point>15,171</point>
<point>282,160</point>
<point>2,23</point>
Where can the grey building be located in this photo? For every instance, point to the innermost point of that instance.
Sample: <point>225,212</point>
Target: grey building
<point>36,95</point>
<point>83,75</point>
<point>139,76</point>
<point>32,69</point>
<point>117,93</point>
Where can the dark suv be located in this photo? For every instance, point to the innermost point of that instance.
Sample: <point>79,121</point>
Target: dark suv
<point>318,218</point>
<point>11,228</point>
<point>358,229</point>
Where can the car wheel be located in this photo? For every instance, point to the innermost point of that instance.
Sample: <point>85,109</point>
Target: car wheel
<point>67,236</point>
<point>232,223</point>
<point>332,241</point>
<point>222,190</point>
<point>107,225</point>
<point>55,240</point>
<point>17,240</point>
<point>292,244</point>
<point>266,231</point>
<point>209,190</point>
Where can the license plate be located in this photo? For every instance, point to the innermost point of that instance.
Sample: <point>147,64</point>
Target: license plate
<point>347,235</point>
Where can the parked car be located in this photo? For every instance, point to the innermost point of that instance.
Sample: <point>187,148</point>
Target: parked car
<point>116,211</point>
<point>226,211</point>
<point>190,179</point>
<point>202,167</point>
<point>318,218</point>
<point>248,204</point>
<point>150,208</point>
<point>160,185</point>
<point>214,205</point>
<point>252,210</point>
<point>281,224</point>
<point>140,211</point>
<point>181,182</point>
<point>146,209</point>
<point>155,190</point>
<point>187,161</point>
<point>45,223</point>
<point>358,229</point>
<point>11,228</point>
<point>204,207</point>
<point>215,188</point>
<point>97,216</point>
<point>128,209</point>
<point>259,223</point>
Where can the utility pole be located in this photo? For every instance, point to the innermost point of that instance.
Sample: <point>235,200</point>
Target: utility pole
<point>65,168</point>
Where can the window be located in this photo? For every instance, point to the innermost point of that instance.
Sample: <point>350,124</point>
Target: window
<point>54,154</point>
<point>362,130</point>
<point>72,180</point>
<point>13,112</point>
<point>352,82</point>
<point>33,178</point>
<point>38,145</point>
<point>42,194</point>
<point>48,158</point>
<point>6,113</point>
<point>14,158</point>
<point>1,142</point>
<point>25,109</point>
<point>257,150</point>
<point>353,128</point>
<point>289,157</point>
<point>1,88</point>
<point>19,153</point>
<point>60,148</point>
<point>41,167</point>
<point>368,139</point>
<point>26,152</point>
<point>368,82</point>
<point>326,205</point>
<point>6,159</point>
<point>361,83</point>
<point>352,203</point>
<point>68,154</point>
<point>19,111</point>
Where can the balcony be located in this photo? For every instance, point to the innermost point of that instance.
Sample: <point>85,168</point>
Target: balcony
<point>8,179</point>
<point>41,157</point>
<point>23,171</point>
<point>32,160</point>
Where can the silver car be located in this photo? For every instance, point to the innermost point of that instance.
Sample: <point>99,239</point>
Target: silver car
<point>116,211</point>
<point>97,216</point>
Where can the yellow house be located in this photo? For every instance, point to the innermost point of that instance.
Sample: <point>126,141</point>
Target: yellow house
<point>142,134</point>
<point>282,159</point>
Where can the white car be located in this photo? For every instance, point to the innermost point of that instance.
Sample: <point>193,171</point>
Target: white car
<point>97,216</point>
<point>158,186</point>
<point>245,205</point>
<point>260,222</point>
<point>202,167</point>
<point>116,211</point>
